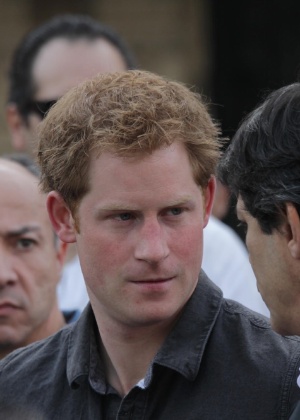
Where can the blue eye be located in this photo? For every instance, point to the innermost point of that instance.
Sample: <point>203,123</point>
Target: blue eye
<point>176,211</point>
<point>125,216</point>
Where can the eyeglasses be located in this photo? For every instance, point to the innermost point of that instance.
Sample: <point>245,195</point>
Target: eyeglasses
<point>40,107</point>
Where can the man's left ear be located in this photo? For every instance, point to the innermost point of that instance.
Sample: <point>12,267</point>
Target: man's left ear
<point>61,217</point>
<point>293,221</point>
<point>208,195</point>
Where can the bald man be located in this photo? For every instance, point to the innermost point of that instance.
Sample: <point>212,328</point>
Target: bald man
<point>31,259</point>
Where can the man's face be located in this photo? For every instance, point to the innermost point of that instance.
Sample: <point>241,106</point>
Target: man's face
<point>60,65</point>
<point>140,235</point>
<point>271,262</point>
<point>30,261</point>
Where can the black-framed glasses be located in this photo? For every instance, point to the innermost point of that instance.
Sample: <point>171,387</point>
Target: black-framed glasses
<point>40,107</point>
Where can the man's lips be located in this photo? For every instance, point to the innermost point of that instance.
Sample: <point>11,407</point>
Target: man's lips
<point>153,285</point>
<point>8,303</point>
<point>153,280</point>
<point>7,306</point>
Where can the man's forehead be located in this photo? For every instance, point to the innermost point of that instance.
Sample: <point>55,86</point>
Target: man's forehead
<point>20,192</point>
<point>62,64</point>
<point>9,168</point>
<point>18,184</point>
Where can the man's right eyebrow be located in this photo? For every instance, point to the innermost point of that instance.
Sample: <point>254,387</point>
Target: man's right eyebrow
<point>21,231</point>
<point>116,208</point>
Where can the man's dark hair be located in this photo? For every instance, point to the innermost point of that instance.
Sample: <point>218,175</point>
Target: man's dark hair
<point>71,27</point>
<point>262,163</point>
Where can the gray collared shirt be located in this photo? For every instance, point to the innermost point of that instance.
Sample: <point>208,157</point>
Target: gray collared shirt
<point>221,361</point>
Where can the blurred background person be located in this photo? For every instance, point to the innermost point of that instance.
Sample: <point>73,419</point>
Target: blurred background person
<point>49,61</point>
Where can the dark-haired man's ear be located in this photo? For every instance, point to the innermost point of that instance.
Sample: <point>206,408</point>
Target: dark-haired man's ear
<point>17,128</point>
<point>293,221</point>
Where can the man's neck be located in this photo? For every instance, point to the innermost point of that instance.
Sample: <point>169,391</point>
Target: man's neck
<point>128,352</point>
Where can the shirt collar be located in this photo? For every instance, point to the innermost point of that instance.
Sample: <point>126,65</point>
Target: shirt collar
<point>182,350</point>
<point>79,345</point>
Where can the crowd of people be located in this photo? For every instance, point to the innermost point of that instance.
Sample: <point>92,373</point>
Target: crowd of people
<point>116,279</point>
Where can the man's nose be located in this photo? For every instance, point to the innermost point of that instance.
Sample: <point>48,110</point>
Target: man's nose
<point>151,245</point>
<point>8,274</point>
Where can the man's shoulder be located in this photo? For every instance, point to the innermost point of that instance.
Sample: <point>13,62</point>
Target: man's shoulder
<point>40,377</point>
<point>38,356</point>
<point>256,328</point>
